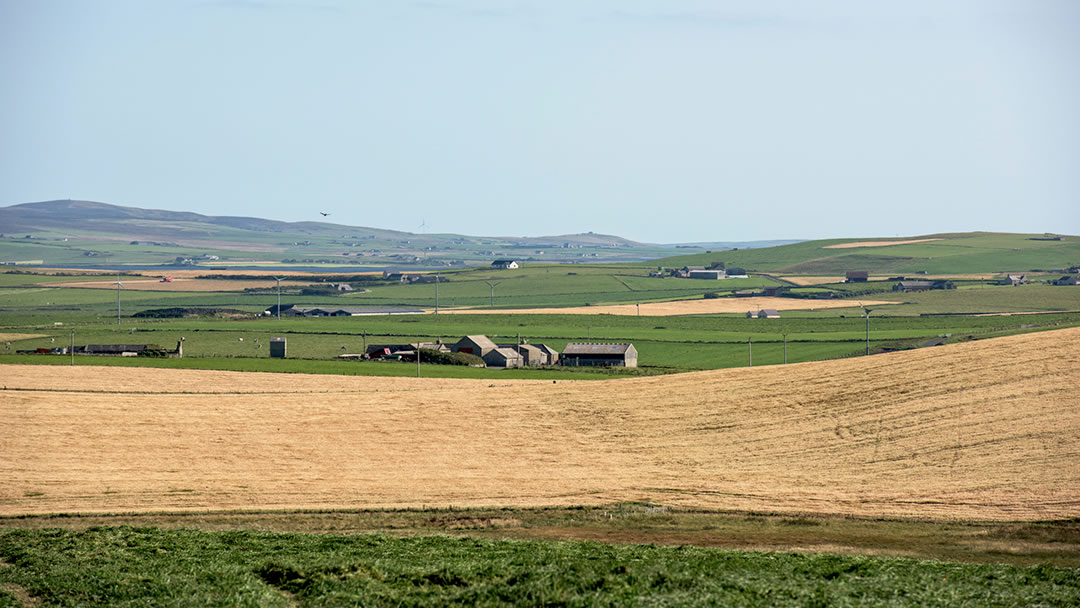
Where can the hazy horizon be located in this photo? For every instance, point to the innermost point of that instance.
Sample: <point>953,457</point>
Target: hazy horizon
<point>658,121</point>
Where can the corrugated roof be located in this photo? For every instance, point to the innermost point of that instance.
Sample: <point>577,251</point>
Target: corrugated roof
<point>584,348</point>
<point>481,341</point>
<point>115,348</point>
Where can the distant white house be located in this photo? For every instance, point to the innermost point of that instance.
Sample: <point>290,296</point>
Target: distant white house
<point>504,264</point>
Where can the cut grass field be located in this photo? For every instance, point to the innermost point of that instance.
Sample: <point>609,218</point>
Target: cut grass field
<point>1055,543</point>
<point>978,431</point>
<point>153,567</point>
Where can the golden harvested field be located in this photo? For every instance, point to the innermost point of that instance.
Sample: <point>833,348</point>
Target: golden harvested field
<point>678,307</point>
<point>987,430</point>
<point>177,284</point>
<point>876,243</point>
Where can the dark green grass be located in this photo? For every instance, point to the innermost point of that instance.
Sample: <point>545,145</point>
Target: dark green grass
<point>153,567</point>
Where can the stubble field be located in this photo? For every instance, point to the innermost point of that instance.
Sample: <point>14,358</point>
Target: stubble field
<point>987,431</point>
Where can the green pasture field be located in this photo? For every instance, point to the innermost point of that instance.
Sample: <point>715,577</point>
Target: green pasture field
<point>544,286</point>
<point>126,566</point>
<point>665,344</point>
<point>964,253</point>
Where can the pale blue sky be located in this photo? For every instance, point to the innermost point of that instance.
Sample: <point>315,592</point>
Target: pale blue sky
<point>658,120</point>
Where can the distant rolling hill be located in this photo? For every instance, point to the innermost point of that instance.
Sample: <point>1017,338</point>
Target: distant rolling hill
<point>69,231</point>
<point>953,253</point>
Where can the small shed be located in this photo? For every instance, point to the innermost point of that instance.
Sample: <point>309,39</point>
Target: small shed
<point>584,354</point>
<point>277,348</point>
<point>550,354</point>
<point>857,276</point>
<point>504,264</point>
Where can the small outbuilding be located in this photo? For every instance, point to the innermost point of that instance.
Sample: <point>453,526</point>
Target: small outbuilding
<point>857,276</point>
<point>1073,280</point>
<point>277,348</point>
<point>504,264</point>
<point>1013,279</point>
<point>764,313</point>
<point>502,357</point>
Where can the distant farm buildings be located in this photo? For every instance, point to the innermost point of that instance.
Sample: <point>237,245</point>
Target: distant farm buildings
<point>764,313</point>
<point>1013,279</point>
<point>334,311</point>
<point>714,272</point>
<point>504,264</point>
<point>114,350</point>
<point>492,354</point>
<point>857,276</point>
<point>1073,280</point>
<point>923,285</point>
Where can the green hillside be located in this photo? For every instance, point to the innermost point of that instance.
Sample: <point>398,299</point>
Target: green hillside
<point>72,232</point>
<point>963,253</point>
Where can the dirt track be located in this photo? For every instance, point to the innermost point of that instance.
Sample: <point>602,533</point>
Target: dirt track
<point>986,430</point>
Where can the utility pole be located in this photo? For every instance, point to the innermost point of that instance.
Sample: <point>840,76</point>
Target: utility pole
<point>72,347</point>
<point>365,340</point>
<point>638,304</point>
<point>118,286</point>
<point>867,330</point>
<point>750,350</point>
<point>278,279</point>
<point>436,314</point>
<point>785,349</point>
<point>418,357</point>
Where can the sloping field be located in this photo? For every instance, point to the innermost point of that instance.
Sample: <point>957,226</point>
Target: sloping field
<point>985,430</point>
<point>876,243</point>
<point>9,337</point>
<point>678,307</point>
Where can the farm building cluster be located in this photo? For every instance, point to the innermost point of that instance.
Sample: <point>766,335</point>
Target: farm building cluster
<point>292,310</point>
<point>113,350</point>
<point>715,271</point>
<point>511,355</point>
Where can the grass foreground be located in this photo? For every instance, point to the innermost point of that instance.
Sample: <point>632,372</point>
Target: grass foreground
<point>130,566</point>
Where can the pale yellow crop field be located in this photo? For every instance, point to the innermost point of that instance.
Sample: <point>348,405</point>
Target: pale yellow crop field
<point>12,337</point>
<point>177,284</point>
<point>988,430</point>
<point>678,307</point>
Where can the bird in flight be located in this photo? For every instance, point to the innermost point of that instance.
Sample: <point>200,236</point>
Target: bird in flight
<point>323,214</point>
